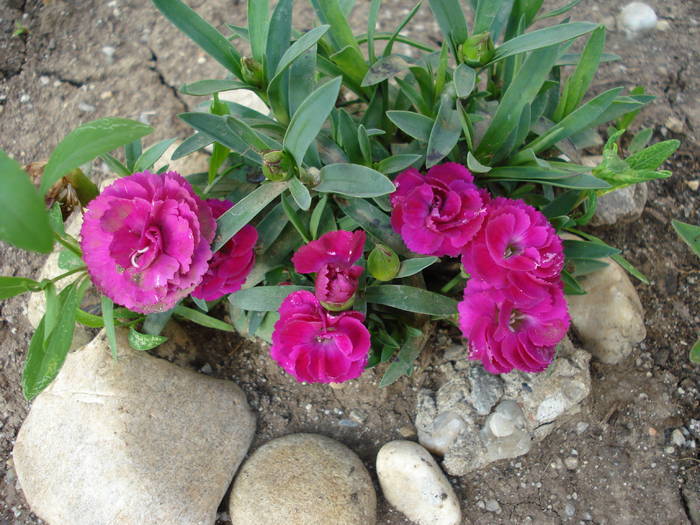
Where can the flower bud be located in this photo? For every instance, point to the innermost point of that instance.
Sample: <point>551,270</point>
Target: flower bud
<point>383,264</point>
<point>277,165</point>
<point>477,50</point>
<point>252,72</point>
<point>338,307</point>
<point>310,176</point>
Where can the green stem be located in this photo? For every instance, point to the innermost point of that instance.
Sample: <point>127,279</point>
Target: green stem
<point>453,282</point>
<point>68,244</point>
<point>68,273</point>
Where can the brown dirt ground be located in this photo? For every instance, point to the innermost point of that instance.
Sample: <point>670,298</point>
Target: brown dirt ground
<point>60,74</point>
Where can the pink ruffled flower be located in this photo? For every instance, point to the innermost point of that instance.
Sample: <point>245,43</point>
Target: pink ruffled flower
<point>230,266</point>
<point>146,240</point>
<point>316,346</point>
<point>506,332</point>
<point>439,213</point>
<point>517,246</point>
<point>331,258</point>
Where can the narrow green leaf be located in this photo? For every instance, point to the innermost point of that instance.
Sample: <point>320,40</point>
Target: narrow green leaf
<point>235,218</point>
<point>270,227</point>
<point>263,298</point>
<point>364,143</point>
<point>475,166</point>
<point>301,78</point>
<point>654,156</point>
<point>202,33</point>
<point>191,144</point>
<point>587,266</point>
<point>52,310</point>
<point>89,320</point>
<point>542,38</point>
<point>371,27</point>
<point>444,133</point>
<point>575,121</point>
<point>45,358</point>
<point>397,163</point>
<point>331,13</point>
<point>108,318</point>
<point>11,286</point>
<point>640,140</point>
<point>218,128</point>
<point>353,180</point>
<point>202,319</point>
<point>559,11</point>
<point>88,141</point>
<point>257,28</point>
<point>25,221</point>
<point>571,285</point>
<point>577,85</point>
<point>209,87</point>
<point>149,157</point>
<point>411,299</point>
<point>521,92</point>
<point>413,124</point>
<point>316,216</point>
<point>374,221</point>
<point>450,18</point>
<point>413,266</point>
<point>297,221</point>
<point>278,36</point>
<point>587,250</point>
<point>689,233</point>
<point>132,151</point>
<point>303,43</point>
<point>410,350</point>
<point>115,165</point>
<point>142,342</point>
<point>485,15</point>
<point>300,194</point>
<point>200,303</point>
<point>395,35</point>
<point>465,80</point>
<point>562,205</point>
<point>309,118</point>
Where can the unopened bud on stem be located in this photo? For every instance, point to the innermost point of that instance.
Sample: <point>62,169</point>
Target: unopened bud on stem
<point>477,50</point>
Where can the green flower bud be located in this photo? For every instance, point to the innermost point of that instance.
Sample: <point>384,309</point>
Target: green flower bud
<point>477,50</point>
<point>383,264</point>
<point>252,72</point>
<point>277,165</point>
<point>310,177</point>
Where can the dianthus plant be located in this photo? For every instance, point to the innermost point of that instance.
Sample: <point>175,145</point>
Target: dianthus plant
<point>382,184</point>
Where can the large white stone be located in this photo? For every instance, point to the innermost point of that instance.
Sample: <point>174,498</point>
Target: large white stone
<point>413,483</point>
<point>303,479</point>
<point>609,318</point>
<point>136,441</point>
<point>637,18</point>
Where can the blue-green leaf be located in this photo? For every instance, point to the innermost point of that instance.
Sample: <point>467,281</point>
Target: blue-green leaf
<point>353,180</point>
<point>263,298</point>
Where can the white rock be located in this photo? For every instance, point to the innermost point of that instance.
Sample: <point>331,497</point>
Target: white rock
<point>445,430</point>
<point>505,433</point>
<point>622,206</point>
<point>414,484</point>
<point>609,318</point>
<point>636,18</point>
<point>493,506</point>
<point>303,479</point>
<point>677,438</point>
<point>134,441</point>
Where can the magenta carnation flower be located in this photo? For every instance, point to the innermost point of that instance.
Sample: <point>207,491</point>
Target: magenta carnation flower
<point>316,346</point>
<point>506,332</point>
<point>439,213</point>
<point>230,266</point>
<point>332,259</point>
<point>517,246</point>
<point>145,240</point>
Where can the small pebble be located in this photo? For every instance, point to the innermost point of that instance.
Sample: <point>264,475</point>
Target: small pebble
<point>674,124</point>
<point>677,438</point>
<point>571,463</point>
<point>108,51</point>
<point>581,427</point>
<point>493,506</point>
<point>44,80</point>
<point>569,510</point>
<point>663,25</point>
<point>669,450</point>
<point>87,108</point>
<point>407,431</point>
<point>24,98</point>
